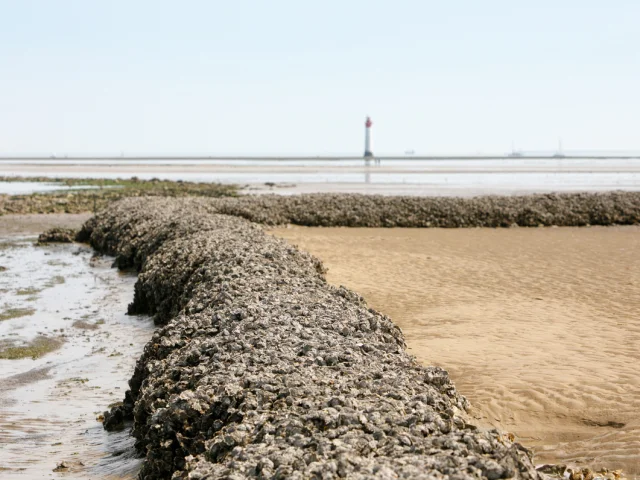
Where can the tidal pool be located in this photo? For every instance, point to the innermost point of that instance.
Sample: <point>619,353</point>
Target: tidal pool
<point>67,350</point>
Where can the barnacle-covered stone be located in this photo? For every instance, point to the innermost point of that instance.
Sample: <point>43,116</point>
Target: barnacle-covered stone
<point>261,369</point>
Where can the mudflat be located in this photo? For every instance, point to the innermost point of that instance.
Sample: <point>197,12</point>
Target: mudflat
<point>538,327</point>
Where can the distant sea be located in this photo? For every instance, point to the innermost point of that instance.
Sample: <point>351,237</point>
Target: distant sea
<point>422,177</point>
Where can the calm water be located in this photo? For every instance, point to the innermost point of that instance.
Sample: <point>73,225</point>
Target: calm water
<point>400,162</point>
<point>397,176</point>
<point>25,188</point>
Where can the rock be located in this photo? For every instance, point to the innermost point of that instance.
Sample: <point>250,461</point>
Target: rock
<point>552,469</point>
<point>69,466</point>
<point>114,420</point>
<point>57,235</point>
<point>61,467</point>
<point>352,210</point>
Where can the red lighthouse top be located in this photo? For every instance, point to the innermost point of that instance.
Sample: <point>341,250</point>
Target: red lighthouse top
<point>368,123</point>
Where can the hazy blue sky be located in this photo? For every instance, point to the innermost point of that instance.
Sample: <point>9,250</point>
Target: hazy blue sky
<point>294,76</point>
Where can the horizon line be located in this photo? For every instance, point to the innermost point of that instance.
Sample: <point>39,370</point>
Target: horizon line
<point>509,156</point>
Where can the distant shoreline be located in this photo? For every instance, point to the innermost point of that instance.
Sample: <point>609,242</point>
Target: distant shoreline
<point>321,157</point>
<point>139,168</point>
<point>462,178</point>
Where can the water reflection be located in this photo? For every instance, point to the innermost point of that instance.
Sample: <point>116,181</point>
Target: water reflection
<point>437,177</point>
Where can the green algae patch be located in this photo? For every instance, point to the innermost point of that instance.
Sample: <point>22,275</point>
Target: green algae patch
<point>84,325</point>
<point>10,313</point>
<point>28,291</point>
<point>57,263</point>
<point>56,280</point>
<point>103,193</point>
<point>8,245</point>
<point>38,347</point>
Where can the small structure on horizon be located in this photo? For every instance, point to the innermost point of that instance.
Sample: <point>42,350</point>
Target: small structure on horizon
<point>515,153</point>
<point>560,152</point>
<point>367,138</point>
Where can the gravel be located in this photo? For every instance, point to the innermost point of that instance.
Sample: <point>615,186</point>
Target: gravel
<point>260,369</point>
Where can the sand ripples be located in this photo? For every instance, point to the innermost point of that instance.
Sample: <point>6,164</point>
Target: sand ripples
<point>538,327</point>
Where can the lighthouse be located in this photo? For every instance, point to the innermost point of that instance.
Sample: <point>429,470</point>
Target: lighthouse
<point>367,138</point>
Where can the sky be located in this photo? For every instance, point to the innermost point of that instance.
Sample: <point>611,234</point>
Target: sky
<point>292,77</point>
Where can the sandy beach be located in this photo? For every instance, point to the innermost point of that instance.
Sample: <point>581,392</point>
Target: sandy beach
<point>537,327</point>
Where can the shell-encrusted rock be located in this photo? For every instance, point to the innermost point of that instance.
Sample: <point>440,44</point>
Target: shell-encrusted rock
<point>261,369</point>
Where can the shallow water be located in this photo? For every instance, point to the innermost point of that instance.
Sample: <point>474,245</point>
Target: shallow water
<point>405,161</point>
<point>26,188</point>
<point>393,176</point>
<point>50,405</point>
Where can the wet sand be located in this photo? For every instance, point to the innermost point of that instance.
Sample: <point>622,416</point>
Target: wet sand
<point>408,189</point>
<point>34,224</point>
<point>50,405</point>
<point>539,327</point>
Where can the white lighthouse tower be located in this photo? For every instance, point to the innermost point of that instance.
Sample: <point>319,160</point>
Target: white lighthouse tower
<point>367,138</point>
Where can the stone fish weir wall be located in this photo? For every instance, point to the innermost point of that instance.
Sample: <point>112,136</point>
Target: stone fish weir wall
<point>260,369</point>
<point>335,210</point>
